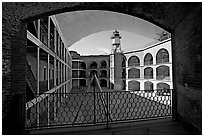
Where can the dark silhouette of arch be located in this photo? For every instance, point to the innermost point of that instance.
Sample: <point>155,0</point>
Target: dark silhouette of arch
<point>148,59</point>
<point>103,73</point>
<point>148,85</point>
<point>103,64</point>
<point>93,65</point>
<point>133,61</point>
<point>93,72</point>
<point>162,56</point>
<point>163,89</point>
<point>163,86</point>
<point>82,65</point>
<point>133,73</point>
<point>163,72</point>
<point>148,73</point>
<point>133,85</point>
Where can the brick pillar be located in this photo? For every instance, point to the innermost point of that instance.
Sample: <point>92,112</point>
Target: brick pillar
<point>13,75</point>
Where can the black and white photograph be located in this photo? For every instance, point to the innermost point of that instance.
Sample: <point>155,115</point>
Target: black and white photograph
<point>102,68</point>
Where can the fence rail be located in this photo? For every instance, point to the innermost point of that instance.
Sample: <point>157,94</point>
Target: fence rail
<point>71,109</point>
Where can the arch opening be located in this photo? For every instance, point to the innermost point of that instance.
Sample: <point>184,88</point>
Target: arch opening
<point>148,73</point>
<point>93,65</point>
<point>133,61</point>
<point>148,86</point>
<point>82,65</point>
<point>103,74</point>
<point>133,73</point>
<point>103,64</point>
<point>163,73</point>
<point>133,85</point>
<point>148,59</point>
<point>162,56</point>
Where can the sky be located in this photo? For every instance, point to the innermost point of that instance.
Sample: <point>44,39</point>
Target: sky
<point>100,43</point>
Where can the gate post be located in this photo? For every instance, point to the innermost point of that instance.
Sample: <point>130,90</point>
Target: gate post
<point>173,100</point>
<point>94,104</point>
<point>107,110</point>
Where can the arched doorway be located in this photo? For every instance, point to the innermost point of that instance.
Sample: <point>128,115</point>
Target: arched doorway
<point>148,85</point>
<point>133,85</point>
<point>16,27</point>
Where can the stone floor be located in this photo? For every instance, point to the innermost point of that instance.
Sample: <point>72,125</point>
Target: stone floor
<point>152,127</point>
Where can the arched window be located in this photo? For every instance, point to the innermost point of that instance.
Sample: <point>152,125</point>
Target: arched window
<point>103,73</point>
<point>133,85</point>
<point>103,64</point>
<point>148,85</point>
<point>163,72</point>
<point>103,83</point>
<point>93,72</point>
<point>133,61</point>
<point>133,73</point>
<point>162,56</point>
<point>148,73</point>
<point>82,65</point>
<point>93,65</point>
<point>148,59</point>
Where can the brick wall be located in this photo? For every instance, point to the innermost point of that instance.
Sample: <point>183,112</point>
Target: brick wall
<point>179,18</point>
<point>188,68</point>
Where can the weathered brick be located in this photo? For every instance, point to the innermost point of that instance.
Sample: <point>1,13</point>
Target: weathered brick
<point>183,20</point>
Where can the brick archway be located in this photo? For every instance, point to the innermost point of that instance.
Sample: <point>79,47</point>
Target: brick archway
<point>188,15</point>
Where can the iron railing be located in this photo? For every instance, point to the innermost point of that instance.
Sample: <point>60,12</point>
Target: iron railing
<point>71,109</point>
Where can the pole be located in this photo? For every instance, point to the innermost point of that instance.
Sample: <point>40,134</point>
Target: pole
<point>94,90</point>
<point>107,110</point>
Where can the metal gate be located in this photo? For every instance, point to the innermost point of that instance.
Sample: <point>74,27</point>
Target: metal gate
<point>72,109</point>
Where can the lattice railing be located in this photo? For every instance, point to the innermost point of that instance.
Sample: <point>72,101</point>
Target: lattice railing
<point>59,109</point>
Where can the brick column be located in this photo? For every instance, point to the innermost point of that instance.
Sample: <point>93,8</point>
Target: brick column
<point>13,75</point>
